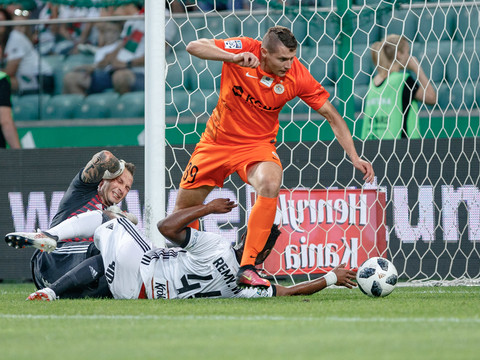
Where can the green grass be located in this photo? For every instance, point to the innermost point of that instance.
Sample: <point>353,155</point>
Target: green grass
<point>412,323</point>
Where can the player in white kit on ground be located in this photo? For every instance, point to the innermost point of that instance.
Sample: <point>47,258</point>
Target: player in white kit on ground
<point>205,265</point>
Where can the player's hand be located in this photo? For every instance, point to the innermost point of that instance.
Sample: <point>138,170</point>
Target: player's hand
<point>366,168</point>
<point>221,206</point>
<point>246,59</point>
<point>110,176</point>
<point>345,277</point>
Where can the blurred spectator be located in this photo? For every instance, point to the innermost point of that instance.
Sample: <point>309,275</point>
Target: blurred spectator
<point>9,134</point>
<point>123,67</point>
<point>70,35</point>
<point>28,72</point>
<point>391,105</point>
<point>223,5</point>
<point>79,80</point>
<point>44,36</point>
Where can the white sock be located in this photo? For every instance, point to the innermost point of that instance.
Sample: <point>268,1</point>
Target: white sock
<point>78,226</point>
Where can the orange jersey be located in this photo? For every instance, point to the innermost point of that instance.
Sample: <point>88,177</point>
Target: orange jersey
<point>250,100</point>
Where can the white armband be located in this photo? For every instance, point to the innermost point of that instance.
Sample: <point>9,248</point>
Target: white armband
<point>109,176</point>
<point>330,278</point>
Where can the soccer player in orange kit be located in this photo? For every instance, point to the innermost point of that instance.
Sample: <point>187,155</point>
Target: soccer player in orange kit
<point>258,79</point>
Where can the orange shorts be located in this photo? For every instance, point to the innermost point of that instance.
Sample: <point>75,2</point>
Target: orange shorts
<point>211,164</point>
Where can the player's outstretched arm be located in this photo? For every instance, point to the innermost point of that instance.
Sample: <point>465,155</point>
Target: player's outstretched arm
<point>207,50</point>
<point>344,276</point>
<point>344,137</point>
<point>102,163</point>
<point>173,227</point>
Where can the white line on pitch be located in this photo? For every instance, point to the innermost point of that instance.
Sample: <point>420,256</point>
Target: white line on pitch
<point>242,318</point>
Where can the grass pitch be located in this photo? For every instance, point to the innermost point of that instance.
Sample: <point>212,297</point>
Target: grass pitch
<point>412,323</point>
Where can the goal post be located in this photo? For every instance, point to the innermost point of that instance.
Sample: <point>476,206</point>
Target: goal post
<point>427,190</point>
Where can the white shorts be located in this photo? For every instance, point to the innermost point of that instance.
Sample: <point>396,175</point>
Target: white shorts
<point>122,248</point>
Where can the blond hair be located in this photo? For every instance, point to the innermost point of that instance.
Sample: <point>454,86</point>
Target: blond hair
<point>384,52</point>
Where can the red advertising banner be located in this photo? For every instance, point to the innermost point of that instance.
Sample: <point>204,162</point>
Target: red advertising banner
<point>324,228</point>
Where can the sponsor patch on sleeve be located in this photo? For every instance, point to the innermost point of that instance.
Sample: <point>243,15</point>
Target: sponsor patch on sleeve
<point>233,44</point>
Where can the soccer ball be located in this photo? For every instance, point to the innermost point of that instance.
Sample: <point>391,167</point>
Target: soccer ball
<point>377,277</point>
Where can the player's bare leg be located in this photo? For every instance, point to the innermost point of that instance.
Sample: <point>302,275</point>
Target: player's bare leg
<point>190,197</point>
<point>266,178</point>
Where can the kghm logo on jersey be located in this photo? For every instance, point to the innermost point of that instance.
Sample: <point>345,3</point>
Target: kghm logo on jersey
<point>238,91</point>
<point>233,44</point>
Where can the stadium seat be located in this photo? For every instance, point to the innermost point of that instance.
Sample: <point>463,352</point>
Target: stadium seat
<point>97,106</point>
<point>56,63</point>
<point>434,24</point>
<point>322,63</point>
<point>129,105</point>
<point>215,28</point>
<point>190,28</point>
<point>465,65</point>
<point>176,102</point>
<point>204,74</point>
<point>29,107</point>
<point>232,25</point>
<point>463,95</point>
<point>255,26</point>
<point>62,106</point>
<point>68,64</point>
<point>401,22</point>
<point>323,29</point>
<point>297,24</point>
<point>467,24</point>
<point>362,64</point>
<point>197,103</point>
<point>366,29</point>
<point>75,60</point>
<point>176,76</point>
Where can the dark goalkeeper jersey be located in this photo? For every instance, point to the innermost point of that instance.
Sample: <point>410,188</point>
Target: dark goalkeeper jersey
<point>80,197</point>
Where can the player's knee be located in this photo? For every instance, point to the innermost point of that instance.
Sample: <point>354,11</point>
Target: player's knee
<point>268,188</point>
<point>123,80</point>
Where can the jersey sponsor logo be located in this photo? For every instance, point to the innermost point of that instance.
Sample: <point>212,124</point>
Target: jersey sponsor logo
<point>160,290</point>
<point>110,226</point>
<point>267,81</point>
<point>233,44</point>
<point>238,91</point>
<point>251,76</point>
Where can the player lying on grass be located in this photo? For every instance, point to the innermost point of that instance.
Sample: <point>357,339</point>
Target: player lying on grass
<point>204,265</point>
<point>103,182</point>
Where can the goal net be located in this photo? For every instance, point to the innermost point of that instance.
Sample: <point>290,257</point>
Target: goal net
<point>423,212</point>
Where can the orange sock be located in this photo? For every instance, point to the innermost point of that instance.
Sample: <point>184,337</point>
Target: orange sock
<point>258,228</point>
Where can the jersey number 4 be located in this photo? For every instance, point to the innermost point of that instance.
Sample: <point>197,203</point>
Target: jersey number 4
<point>190,286</point>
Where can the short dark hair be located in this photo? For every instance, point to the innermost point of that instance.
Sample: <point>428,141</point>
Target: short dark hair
<point>130,167</point>
<point>277,35</point>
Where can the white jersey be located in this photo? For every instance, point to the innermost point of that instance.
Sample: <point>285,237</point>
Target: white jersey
<point>122,248</point>
<point>205,267</point>
<point>19,46</point>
